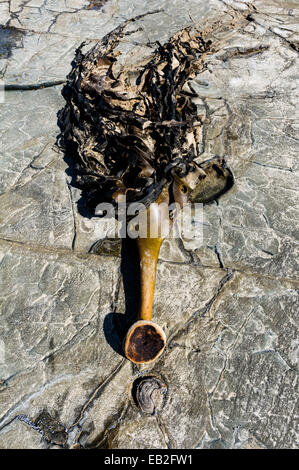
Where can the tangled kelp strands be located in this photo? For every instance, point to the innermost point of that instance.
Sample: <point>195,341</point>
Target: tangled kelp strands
<point>133,132</point>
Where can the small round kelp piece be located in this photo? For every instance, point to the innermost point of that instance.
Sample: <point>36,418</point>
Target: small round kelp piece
<point>145,342</point>
<point>149,394</point>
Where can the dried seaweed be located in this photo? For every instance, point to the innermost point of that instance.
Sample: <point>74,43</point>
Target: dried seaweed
<point>135,135</point>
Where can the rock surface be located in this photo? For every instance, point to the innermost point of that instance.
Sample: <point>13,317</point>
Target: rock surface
<point>227,301</point>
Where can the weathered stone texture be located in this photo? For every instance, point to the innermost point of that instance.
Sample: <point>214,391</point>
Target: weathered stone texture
<point>227,301</point>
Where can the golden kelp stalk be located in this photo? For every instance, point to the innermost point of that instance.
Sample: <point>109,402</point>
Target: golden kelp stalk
<point>136,133</point>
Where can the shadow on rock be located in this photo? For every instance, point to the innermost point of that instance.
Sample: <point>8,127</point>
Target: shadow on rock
<point>117,324</point>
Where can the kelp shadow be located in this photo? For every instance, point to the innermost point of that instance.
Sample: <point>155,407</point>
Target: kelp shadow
<point>117,324</point>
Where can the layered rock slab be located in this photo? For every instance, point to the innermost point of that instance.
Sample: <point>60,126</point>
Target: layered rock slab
<point>227,301</point>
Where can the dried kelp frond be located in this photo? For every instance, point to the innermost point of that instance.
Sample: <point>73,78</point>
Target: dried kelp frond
<point>132,136</point>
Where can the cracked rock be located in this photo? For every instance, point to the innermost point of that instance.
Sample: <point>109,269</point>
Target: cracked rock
<point>226,300</point>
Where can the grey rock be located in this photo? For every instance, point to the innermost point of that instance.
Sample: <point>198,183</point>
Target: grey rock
<point>20,435</point>
<point>226,300</point>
